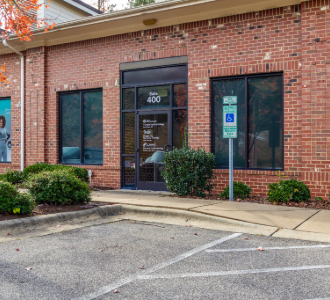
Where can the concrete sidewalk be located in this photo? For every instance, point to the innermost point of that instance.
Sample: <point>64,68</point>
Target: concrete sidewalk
<point>291,222</point>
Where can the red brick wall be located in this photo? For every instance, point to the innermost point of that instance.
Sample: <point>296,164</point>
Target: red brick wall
<point>292,40</point>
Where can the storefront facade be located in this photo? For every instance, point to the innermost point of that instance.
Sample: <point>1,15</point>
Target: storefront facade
<point>114,104</point>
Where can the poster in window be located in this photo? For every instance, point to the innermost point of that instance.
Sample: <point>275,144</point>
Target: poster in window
<point>5,130</point>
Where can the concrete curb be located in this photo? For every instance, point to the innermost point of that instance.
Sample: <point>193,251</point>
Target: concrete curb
<point>303,235</point>
<point>43,225</point>
<point>189,218</point>
<point>31,223</point>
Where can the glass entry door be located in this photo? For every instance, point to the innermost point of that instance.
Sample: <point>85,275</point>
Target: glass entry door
<point>154,138</point>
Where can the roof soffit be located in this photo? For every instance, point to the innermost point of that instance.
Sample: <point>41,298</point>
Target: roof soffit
<point>167,13</point>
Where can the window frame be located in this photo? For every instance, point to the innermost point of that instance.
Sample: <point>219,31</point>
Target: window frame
<point>60,150</point>
<point>246,77</point>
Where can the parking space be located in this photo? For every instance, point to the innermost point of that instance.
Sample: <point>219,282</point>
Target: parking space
<point>140,260</point>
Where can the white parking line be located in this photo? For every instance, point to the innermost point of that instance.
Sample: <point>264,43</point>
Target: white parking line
<point>319,299</point>
<point>267,248</point>
<point>233,272</point>
<point>121,282</point>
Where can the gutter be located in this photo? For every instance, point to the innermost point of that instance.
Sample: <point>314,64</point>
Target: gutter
<point>4,41</point>
<point>121,14</point>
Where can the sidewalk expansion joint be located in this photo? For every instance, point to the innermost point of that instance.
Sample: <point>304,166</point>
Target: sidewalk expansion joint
<point>190,209</point>
<point>278,229</point>
<point>306,220</point>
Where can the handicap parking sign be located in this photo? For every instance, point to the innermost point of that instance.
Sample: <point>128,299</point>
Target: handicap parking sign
<point>230,118</point>
<point>230,121</point>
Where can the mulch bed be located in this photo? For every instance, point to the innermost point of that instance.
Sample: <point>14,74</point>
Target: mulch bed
<point>316,204</point>
<point>101,188</point>
<point>45,209</point>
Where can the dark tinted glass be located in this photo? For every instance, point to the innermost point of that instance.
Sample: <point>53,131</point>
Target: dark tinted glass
<point>153,137</point>
<point>129,98</point>
<point>265,122</point>
<point>179,95</point>
<point>129,171</point>
<point>154,97</point>
<point>129,133</point>
<point>155,75</point>
<point>93,128</point>
<point>70,115</point>
<point>179,124</point>
<point>221,88</point>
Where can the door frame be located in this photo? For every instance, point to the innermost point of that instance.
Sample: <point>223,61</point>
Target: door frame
<point>154,186</point>
<point>137,111</point>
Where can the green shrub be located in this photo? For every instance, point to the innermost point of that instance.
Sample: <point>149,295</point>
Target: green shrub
<point>42,167</point>
<point>58,187</point>
<point>14,177</point>
<point>12,201</point>
<point>288,190</point>
<point>188,171</point>
<point>240,190</point>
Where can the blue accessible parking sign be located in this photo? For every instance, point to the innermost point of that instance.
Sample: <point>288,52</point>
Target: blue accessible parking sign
<point>230,121</point>
<point>230,118</point>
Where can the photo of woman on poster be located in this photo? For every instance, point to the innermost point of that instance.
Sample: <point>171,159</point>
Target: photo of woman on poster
<point>4,137</point>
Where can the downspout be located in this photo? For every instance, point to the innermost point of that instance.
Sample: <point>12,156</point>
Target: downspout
<point>4,41</point>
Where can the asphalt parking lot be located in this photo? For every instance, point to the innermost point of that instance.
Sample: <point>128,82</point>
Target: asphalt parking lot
<point>141,260</point>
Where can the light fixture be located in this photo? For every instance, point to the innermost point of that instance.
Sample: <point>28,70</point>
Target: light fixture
<point>149,22</point>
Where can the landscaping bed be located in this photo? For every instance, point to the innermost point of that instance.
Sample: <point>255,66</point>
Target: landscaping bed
<point>45,209</point>
<point>316,204</point>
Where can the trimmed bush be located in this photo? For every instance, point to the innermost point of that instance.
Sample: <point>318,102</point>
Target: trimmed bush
<point>12,201</point>
<point>288,190</point>
<point>240,190</point>
<point>42,167</point>
<point>188,171</point>
<point>13,177</point>
<point>58,187</point>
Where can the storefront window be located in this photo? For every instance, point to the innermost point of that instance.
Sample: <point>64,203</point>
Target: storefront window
<point>129,98</point>
<point>154,97</point>
<point>5,130</point>
<point>129,133</point>
<point>259,142</point>
<point>179,124</point>
<point>81,122</point>
<point>179,95</point>
<point>154,116</point>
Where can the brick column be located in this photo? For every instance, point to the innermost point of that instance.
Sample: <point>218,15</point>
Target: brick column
<point>35,106</point>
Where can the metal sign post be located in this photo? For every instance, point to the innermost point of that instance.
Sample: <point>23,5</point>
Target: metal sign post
<point>230,131</point>
<point>231,170</point>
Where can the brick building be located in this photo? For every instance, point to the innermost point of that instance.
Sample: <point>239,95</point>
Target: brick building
<point>108,91</point>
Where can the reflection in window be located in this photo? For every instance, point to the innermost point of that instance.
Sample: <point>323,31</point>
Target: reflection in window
<point>87,134</point>
<point>179,124</point>
<point>129,171</point>
<point>265,122</point>
<point>180,95</point>
<point>222,88</point>
<point>154,97</point>
<point>129,98</point>
<point>129,133</point>
<point>70,116</point>
<point>93,128</point>
<point>264,134</point>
